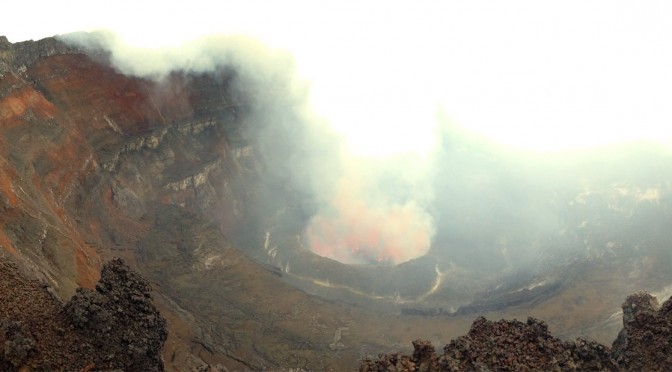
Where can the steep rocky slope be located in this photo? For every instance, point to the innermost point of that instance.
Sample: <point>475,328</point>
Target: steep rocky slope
<point>90,158</point>
<point>87,153</point>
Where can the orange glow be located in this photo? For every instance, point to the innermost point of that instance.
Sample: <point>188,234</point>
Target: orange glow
<point>359,231</point>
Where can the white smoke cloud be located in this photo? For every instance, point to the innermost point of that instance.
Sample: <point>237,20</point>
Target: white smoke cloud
<point>530,74</point>
<point>375,217</point>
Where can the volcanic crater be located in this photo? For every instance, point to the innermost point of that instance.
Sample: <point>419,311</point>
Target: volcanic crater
<point>172,175</point>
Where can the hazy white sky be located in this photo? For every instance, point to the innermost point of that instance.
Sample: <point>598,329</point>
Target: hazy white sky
<point>542,75</point>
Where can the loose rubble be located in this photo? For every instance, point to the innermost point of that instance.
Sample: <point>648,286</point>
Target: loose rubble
<point>511,345</point>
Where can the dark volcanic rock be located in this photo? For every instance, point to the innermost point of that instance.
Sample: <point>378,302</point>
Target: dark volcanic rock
<point>24,53</point>
<point>500,346</point>
<point>115,327</point>
<point>119,317</point>
<point>513,345</point>
<point>643,344</point>
<point>424,358</point>
<point>18,346</point>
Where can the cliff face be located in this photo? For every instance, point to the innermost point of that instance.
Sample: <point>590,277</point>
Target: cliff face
<point>85,150</point>
<point>18,56</point>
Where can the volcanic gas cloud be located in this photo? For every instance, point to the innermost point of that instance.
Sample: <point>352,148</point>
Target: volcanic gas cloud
<point>358,227</point>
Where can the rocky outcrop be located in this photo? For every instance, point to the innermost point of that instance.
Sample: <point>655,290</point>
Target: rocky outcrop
<point>115,327</point>
<point>119,317</point>
<point>499,346</point>
<point>19,55</point>
<point>643,344</point>
<point>19,344</point>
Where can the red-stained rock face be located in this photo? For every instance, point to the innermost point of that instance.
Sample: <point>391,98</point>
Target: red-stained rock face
<point>42,163</point>
<point>66,121</point>
<point>95,164</point>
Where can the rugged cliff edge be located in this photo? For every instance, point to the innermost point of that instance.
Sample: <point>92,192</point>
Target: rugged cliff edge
<point>114,327</point>
<point>17,56</point>
<point>643,345</point>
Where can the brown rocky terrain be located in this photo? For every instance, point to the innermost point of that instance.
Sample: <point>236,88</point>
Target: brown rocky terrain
<point>168,175</point>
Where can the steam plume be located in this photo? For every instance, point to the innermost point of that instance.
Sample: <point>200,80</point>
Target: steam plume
<point>374,217</point>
